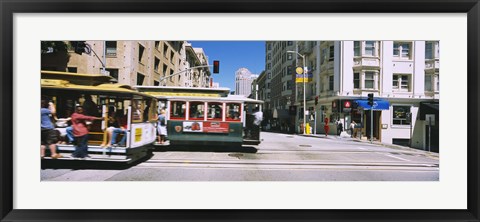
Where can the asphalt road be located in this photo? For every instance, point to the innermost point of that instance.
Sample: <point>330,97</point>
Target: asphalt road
<point>280,157</point>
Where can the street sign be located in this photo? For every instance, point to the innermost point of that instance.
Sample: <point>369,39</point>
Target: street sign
<point>300,79</point>
<point>299,70</point>
<point>347,104</point>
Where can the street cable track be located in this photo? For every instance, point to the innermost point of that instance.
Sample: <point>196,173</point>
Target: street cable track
<point>159,163</point>
<point>386,153</point>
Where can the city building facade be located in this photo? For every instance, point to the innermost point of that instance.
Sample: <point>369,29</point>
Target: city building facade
<point>280,108</point>
<point>150,63</point>
<point>402,75</point>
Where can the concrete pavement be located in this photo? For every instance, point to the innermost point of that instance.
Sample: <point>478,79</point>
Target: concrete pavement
<point>403,148</point>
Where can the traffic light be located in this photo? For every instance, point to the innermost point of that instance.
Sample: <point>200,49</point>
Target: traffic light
<point>370,99</point>
<point>216,66</point>
<point>79,46</point>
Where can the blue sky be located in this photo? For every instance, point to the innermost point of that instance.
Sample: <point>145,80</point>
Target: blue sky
<point>233,55</point>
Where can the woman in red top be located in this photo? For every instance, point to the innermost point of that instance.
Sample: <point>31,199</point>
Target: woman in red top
<point>326,127</point>
<point>80,132</point>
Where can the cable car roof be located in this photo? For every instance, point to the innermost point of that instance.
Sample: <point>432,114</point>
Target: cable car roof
<point>85,82</point>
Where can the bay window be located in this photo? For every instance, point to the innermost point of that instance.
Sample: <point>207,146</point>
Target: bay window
<point>402,50</point>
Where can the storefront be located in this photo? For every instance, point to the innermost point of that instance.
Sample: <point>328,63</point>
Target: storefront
<point>345,111</point>
<point>366,116</point>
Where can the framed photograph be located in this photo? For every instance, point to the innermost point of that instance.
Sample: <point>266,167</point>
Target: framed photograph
<point>452,194</point>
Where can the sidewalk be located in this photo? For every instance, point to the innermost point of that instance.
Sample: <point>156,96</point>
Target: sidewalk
<point>393,146</point>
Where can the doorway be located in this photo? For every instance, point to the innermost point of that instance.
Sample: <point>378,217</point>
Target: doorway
<point>376,124</point>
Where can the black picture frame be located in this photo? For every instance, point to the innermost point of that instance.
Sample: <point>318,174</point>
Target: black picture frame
<point>10,7</point>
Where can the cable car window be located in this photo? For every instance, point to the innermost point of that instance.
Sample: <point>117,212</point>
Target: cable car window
<point>177,110</point>
<point>137,110</point>
<point>215,111</point>
<point>197,110</point>
<point>234,111</point>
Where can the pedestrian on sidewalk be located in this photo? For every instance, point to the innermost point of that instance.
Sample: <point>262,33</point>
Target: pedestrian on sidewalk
<point>352,127</point>
<point>326,127</point>
<point>339,127</point>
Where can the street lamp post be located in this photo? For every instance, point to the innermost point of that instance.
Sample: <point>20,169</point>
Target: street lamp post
<point>304,100</point>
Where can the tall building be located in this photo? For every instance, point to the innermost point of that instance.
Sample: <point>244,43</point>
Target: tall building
<point>151,63</point>
<point>243,82</point>
<point>280,84</point>
<point>402,75</point>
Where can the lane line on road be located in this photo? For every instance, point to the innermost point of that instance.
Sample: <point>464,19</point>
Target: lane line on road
<point>289,167</point>
<point>257,162</point>
<point>396,157</point>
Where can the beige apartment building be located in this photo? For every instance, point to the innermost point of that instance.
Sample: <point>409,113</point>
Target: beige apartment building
<point>149,63</point>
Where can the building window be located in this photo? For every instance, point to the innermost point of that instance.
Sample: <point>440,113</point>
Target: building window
<point>157,44</point>
<point>323,56</point>
<point>370,48</point>
<point>401,82</point>
<point>269,75</point>
<point>165,69</point>
<point>369,80</point>
<point>289,56</point>
<point>165,49</point>
<point>171,73</point>
<point>113,73</point>
<point>437,82</point>
<point>330,83</point>
<point>401,50</point>
<point>111,48</point>
<point>269,46</point>
<point>156,83</point>
<point>141,49</point>
<point>330,58</point>
<point>429,50</point>
<point>290,70</point>
<point>400,115</point>
<point>356,48</point>
<point>140,78</point>
<point>72,69</point>
<point>156,64</point>
<point>172,55</point>
<point>290,43</point>
<point>356,80</point>
<point>428,83</point>
<point>289,85</point>
<point>269,56</point>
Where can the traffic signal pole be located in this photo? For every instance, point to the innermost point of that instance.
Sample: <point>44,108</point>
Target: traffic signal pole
<point>371,103</point>
<point>371,124</point>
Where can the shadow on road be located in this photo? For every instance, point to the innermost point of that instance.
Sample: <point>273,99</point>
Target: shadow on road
<point>223,149</point>
<point>90,164</point>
